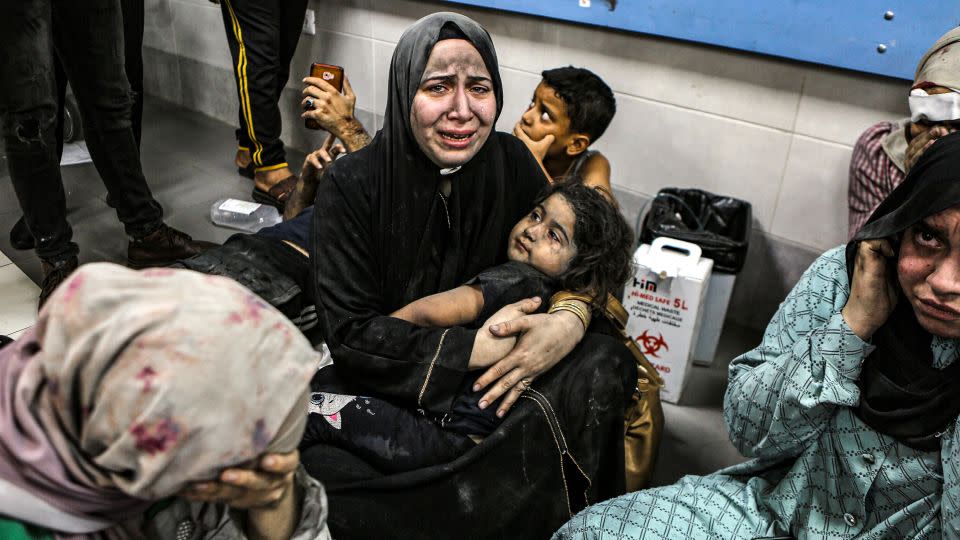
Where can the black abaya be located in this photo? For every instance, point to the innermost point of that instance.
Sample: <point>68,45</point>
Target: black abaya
<point>383,236</point>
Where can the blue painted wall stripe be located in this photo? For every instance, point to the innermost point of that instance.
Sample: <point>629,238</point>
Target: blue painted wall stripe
<point>840,33</point>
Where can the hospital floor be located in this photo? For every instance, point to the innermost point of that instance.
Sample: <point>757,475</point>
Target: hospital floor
<point>188,162</point>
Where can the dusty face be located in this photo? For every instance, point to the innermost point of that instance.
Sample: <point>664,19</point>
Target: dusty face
<point>544,238</point>
<point>547,115</point>
<point>917,128</point>
<point>455,106</point>
<point>929,272</point>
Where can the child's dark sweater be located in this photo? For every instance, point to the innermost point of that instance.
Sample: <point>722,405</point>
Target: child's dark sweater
<point>500,285</point>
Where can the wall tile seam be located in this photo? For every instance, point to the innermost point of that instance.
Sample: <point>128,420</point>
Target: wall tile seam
<point>621,93</point>
<point>207,4</point>
<point>786,161</point>
<point>616,92</point>
<point>827,142</point>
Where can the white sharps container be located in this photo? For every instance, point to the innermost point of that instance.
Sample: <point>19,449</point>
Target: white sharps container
<point>664,302</point>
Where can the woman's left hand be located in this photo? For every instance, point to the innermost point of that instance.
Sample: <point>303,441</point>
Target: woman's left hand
<point>544,339</point>
<point>262,487</point>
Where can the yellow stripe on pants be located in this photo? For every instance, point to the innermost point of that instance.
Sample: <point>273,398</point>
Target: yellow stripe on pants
<point>244,89</point>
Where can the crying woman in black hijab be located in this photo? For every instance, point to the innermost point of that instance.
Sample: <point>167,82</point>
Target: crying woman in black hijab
<point>425,207</point>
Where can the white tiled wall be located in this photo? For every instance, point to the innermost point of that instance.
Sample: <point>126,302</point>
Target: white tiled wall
<point>775,132</point>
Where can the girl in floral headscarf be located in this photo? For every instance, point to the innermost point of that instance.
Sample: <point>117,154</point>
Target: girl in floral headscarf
<point>119,398</point>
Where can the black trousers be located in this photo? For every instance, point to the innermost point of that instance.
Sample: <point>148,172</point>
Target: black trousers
<point>87,38</point>
<point>132,66</point>
<point>263,36</point>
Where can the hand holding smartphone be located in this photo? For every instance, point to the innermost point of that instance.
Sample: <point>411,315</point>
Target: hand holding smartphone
<point>333,75</point>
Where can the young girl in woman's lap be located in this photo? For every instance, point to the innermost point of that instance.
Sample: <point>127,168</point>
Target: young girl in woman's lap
<point>574,239</point>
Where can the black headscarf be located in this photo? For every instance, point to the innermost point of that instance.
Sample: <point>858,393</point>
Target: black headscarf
<point>385,234</point>
<point>902,393</point>
<point>433,259</point>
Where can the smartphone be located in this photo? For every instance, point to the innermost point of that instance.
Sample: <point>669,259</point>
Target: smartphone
<point>330,73</point>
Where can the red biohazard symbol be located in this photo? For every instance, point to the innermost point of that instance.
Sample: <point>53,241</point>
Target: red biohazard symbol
<point>652,345</point>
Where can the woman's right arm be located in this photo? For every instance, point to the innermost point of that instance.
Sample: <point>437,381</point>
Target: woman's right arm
<point>782,394</point>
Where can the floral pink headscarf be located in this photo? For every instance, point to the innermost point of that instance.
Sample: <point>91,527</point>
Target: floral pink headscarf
<point>133,384</point>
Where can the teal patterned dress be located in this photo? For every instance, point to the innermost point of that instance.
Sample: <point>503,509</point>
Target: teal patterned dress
<point>818,471</point>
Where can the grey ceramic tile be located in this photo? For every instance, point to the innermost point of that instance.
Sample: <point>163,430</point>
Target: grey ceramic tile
<point>353,53</point>
<point>200,33</point>
<point>632,204</point>
<point>738,85</point>
<point>839,105</point>
<point>18,296</point>
<point>158,26</point>
<point>518,87</point>
<point>161,74</point>
<point>812,208</point>
<point>344,16</point>
<point>678,147</point>
<point>208,89</point>
<point>773,266</point>
<point>391,17</point>
<point>522,42</point>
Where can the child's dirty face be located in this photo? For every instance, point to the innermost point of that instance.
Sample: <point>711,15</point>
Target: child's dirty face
<point>547,115</point>
<point>544,237</point>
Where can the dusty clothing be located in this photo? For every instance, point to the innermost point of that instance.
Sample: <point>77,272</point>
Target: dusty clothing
<point>397,439</point>
<point>849,439</point>
<point>385,234</point>
<point>108,404</point>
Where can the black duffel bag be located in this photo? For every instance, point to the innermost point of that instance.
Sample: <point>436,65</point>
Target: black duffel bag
<point>720,225</point>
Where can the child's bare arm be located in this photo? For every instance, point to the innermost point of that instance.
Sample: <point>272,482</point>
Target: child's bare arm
<point>449,308</point>
<point>492,348</point>
<point>596,173</point>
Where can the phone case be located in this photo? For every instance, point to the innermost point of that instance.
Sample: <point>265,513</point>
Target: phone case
<point>330,73</point>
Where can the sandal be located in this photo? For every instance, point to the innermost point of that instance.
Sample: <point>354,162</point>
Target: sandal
<point>278,193</point>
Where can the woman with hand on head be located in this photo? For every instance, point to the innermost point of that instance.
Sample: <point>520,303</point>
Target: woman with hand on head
<point>134,385</point>
<point>427,205</point>
<point>850,404</point>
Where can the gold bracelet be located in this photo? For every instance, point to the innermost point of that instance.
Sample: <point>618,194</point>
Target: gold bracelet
<point>575,304</point>
<point>567,295</point>
<point>573,307</point>
<point>573,310</point>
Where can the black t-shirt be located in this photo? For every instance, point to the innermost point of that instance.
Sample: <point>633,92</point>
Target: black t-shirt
<point>501,285</point>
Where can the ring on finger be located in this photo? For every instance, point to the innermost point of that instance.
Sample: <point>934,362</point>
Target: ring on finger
<point>523,384</point>
<point>309,102</point>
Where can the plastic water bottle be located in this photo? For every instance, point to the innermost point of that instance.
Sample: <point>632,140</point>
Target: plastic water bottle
<point>243,215</point>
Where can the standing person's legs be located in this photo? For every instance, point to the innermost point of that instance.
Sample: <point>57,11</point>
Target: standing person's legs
<point>133,59</point>
<point>20,235</point>
<point>255,44</point>
<point>292,13</point>
<point>89,41</point>
<point>28,105</point>
<point>243,160</point>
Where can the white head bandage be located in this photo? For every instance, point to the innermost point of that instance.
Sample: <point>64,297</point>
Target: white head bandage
<point>934,107</point>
